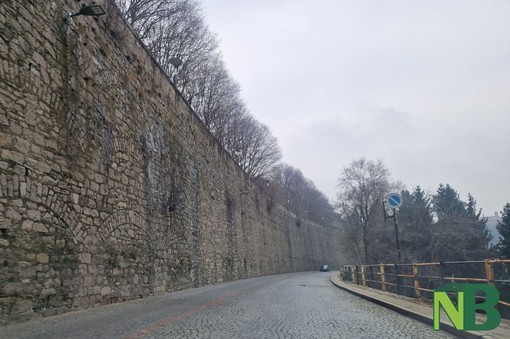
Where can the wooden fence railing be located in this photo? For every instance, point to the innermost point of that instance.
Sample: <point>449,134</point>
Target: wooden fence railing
<point>421,279</point>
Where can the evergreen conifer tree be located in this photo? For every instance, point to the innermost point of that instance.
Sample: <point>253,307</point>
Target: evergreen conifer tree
<point>503,228</point>
<point>460,232</point>
<point>415,218</point>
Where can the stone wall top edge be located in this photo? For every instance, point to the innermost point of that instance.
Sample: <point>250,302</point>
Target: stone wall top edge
<point>196,120</point>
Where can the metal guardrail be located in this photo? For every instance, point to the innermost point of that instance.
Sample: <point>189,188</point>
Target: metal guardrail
<point>420,279</point>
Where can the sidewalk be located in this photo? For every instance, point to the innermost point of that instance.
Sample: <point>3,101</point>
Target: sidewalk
<point>419,310</point>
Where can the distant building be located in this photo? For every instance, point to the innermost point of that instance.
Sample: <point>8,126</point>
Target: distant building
<point>492,221</point>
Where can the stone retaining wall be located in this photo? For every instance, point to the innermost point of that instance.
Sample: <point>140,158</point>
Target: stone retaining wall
<point>111,188</point>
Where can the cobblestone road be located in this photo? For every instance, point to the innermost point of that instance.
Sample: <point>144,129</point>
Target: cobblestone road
<point>304,305</point>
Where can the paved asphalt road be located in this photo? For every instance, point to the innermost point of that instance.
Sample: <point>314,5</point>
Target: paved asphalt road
<point>299,305</point>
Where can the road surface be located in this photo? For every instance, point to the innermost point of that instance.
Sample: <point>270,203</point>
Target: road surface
<point>298,305</point>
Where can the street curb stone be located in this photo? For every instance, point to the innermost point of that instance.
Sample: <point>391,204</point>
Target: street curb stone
<point>409,307</point>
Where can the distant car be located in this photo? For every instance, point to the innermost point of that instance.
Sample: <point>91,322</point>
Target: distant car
<point>325,268</point>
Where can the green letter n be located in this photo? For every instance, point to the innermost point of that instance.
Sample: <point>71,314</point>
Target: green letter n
<point>456,316</point>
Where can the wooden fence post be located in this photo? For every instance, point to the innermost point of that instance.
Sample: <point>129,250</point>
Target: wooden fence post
<point>363,276</point>
<point>489,272</point>
<point>417,291</point>
<point>383,279</point>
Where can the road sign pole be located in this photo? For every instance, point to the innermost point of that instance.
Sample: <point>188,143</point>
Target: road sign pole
<point>394,200</point>
<point>397,268</point>
<point>396,234</point>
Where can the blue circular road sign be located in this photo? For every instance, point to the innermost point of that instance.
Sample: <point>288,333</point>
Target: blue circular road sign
<point>394,200</point>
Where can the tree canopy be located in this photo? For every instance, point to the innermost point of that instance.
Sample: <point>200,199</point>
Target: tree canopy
<point>432,227</point>
<point>176,29</point>
<point>362,186</point>
<point>503,228</point>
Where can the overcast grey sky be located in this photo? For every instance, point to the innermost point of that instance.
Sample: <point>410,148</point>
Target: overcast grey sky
<point>423,85</point>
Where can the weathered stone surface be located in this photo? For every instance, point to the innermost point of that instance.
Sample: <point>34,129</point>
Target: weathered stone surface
<point>38,227</point>
<point>27,225</point>
<point>42,258</point>
<point>110,187</point>
<point>106,290</point>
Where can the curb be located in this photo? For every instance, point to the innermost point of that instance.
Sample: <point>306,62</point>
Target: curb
<point>407,312</point>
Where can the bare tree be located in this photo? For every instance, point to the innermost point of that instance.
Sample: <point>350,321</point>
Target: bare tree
<point>170,29</point>
<point>318,207</point>
<point>145,16</point>
<point>293,184</point>
<point>176,29</point>
<point>185,36</point>
<point>299,195</point>
<point>363,185</point>
<point>218,97</point>
<point>252,145</point>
